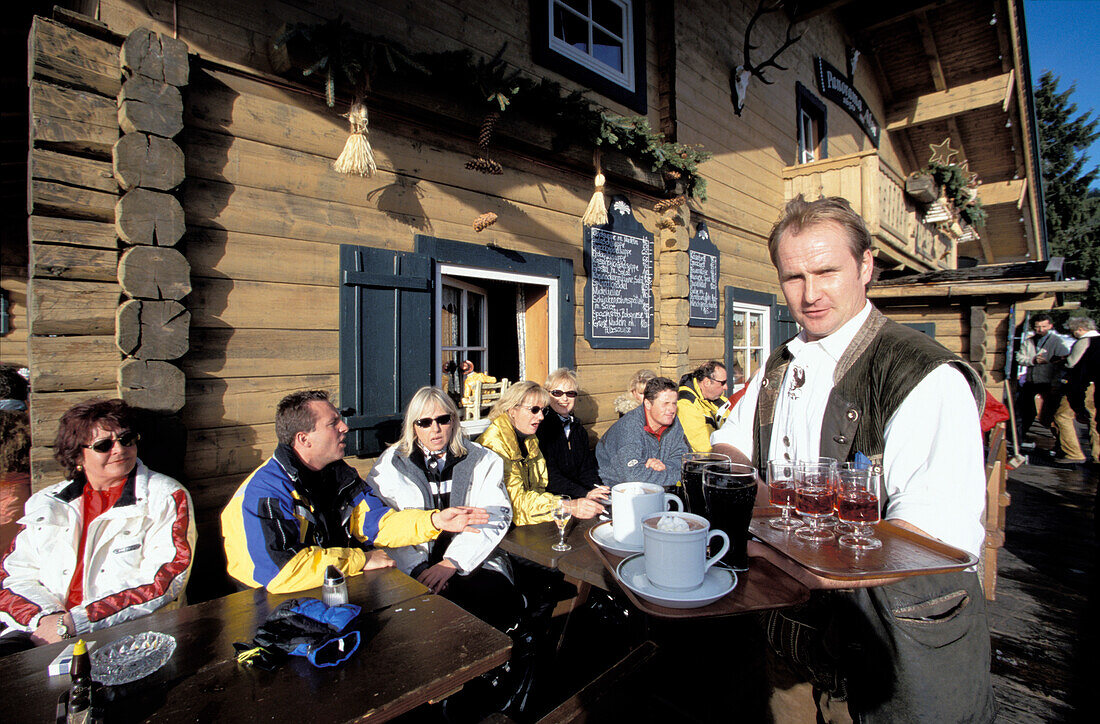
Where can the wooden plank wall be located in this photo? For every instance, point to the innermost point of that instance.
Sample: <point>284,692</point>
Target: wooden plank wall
<point>73,252</point>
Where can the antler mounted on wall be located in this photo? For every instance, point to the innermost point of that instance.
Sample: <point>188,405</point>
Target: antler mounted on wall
<point>739,78</point>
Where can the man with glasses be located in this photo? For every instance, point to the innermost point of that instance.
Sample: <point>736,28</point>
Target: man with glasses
<point>702,405</point>
<point>646,444</point>
<point>305,508</point>
<point>564,441</point>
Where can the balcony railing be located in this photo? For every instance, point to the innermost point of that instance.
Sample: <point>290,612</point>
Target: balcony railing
<point>877,193</point>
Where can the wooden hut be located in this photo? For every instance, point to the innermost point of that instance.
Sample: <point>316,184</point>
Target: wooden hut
<point>191,247</point>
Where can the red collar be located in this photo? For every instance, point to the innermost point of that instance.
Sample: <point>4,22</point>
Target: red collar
<point>656,433</point>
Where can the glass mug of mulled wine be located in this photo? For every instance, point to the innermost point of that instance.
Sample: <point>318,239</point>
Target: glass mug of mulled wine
<point>676,549</point>
<point>814,493</point>
<point>858,504</point>
<point>630,502</point>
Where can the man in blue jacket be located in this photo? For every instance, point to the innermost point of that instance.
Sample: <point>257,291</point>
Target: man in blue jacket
<point>305,508</point>
<point>646,443</point>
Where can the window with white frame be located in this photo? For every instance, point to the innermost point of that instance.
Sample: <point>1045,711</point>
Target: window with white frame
<point>599,43</point>
<point>811,126</point>
<point>596,34</point>
<point>463,324</point>
<point>749,341</point>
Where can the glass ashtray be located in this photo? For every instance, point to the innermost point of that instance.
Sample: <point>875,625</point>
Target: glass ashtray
<point>131,657</point>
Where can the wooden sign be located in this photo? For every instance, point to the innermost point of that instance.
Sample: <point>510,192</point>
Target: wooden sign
<point>835,86</point>
<point>703,274</point>
<point>618,258</point>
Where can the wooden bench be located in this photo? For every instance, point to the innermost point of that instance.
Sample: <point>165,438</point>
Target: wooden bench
<point>996,500</point>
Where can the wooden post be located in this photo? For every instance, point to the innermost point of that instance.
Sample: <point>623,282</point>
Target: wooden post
<point>671,295</point>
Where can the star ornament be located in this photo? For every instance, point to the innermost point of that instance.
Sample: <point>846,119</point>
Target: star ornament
<point>942,153</point>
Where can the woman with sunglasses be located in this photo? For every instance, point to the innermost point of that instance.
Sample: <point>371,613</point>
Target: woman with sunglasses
<point>564,443</point>
<point>515,419</point>
<point>113,542</point>
<point>433,465</point>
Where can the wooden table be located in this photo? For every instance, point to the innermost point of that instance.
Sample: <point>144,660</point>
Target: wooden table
<point>533,542</point>
<point>416,647</point>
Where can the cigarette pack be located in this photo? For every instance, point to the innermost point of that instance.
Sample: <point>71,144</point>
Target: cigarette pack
<point>60,665</point>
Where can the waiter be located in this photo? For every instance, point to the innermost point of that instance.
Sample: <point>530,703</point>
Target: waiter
<point>855,385</point>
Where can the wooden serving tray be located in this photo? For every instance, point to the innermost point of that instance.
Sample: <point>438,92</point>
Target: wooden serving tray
<point>903,552</point>
<point>762,587</point>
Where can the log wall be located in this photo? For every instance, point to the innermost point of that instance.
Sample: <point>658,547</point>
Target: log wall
<point>265,213</point>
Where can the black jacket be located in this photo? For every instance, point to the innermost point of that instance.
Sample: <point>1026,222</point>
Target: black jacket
<point>571,463</point>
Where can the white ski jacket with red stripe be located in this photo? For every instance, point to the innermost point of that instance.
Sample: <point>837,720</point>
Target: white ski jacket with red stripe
<point>137,556</point>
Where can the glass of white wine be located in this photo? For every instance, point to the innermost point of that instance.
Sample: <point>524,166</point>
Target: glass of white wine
<point>563,511</point>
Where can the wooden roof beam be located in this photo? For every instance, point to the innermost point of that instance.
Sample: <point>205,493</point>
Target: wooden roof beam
<point>953,289</point>
<point>941,105</point>
<point>1003,192</point>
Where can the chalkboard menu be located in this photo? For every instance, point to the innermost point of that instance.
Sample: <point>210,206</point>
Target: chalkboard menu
<point>618,258</point>
<point>703,272</point>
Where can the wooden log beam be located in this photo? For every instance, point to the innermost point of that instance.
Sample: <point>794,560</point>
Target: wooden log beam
<point>152,162</point>
<point>60,306</point>
<point>63,55</point>
<point>75,232</point>
<point>149,217</point>
<point>155,56</point>
<point>941,105</point>
<point>82,362</point>
<point>54,261</point>
<point>152,330</point>
<point>1002,192</point>
<point>145,105</point>
<point>47,197</point>
<point>72,120</point>
<point>72,170</point>
<point>958,290</point>
<point>151,385</point>
<point>154,272</point>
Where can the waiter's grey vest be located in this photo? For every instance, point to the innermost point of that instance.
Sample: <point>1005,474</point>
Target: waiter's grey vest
<point>881,366</point>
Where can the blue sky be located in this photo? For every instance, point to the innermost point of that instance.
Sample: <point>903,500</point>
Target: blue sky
<point>1064,37</point>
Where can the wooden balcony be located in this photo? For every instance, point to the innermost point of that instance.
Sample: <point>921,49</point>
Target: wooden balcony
<point>877,193</point>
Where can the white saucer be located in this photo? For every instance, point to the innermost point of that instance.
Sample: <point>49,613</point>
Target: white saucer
<point>717,583</point>
<point>605,539</point>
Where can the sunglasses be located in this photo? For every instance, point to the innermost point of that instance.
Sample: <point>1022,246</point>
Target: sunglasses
<point>426,422</point>
<point>568,393</point>
<point>106,444</point>
<point>536,410</point>
<point>721,382</point>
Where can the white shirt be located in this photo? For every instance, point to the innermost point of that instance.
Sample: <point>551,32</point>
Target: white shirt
<point>933,460</point>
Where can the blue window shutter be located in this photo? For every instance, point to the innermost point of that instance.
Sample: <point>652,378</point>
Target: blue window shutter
<point>385,340</point>
<point>785,326</point>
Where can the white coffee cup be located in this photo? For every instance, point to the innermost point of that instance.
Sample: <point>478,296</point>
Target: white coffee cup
<point>676,560</point>
<point>630,502</point>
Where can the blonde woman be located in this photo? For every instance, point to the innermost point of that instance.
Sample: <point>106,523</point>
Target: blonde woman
<point>434,466</point>
<point>635,391</point>
<point>515,418</point>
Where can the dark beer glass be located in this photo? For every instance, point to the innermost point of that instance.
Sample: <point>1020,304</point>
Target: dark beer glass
<point>691,478</point>
<point>729,490</point>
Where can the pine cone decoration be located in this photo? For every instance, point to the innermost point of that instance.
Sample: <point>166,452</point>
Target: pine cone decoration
<point>672,174</point>
<point>485,165</point>
<point>484,221</point>
<point>668,204</point>
<point>488,124</point>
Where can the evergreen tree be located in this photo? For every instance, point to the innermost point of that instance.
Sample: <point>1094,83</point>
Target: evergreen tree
<point>1072,207</point>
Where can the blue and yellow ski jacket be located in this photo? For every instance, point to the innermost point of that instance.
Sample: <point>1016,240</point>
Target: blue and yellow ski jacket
<point>278,534</point>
